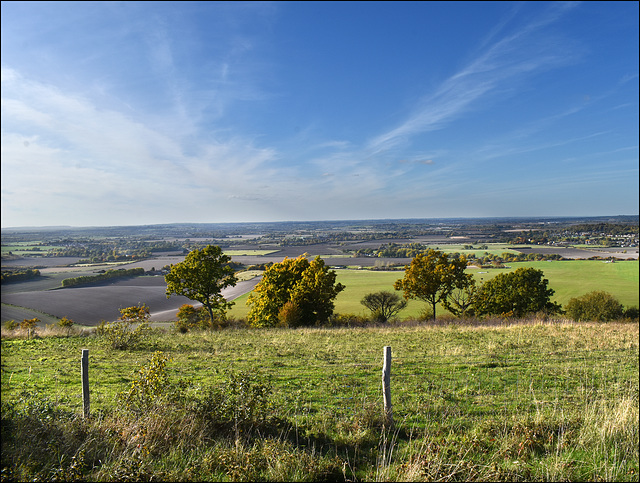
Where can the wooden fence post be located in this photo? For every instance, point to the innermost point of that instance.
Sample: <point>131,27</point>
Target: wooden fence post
<point>386,386</point>
<point>85,382</point>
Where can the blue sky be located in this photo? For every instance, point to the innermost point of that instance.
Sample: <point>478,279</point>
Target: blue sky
<point>124,113</point>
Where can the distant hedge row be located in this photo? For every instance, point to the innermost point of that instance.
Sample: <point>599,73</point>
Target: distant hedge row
<point>16,276</point>
<point>72,282</point>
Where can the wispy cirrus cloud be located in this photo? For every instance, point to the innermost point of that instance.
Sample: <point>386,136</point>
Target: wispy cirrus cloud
<point>64,151</point>
<point>499,63</point>
<point>56,144</point>
<point>511,148</point>
<point>527,51</point>
<point>426,162</point>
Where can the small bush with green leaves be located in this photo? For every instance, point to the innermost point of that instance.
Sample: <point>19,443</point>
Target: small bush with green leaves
<point>595,306</point>
<point>188,318</point>
<point>191,318</point>
<point>121,334</point>
<point>631,313</point>
<point>242,400</point>
<point>150,383</point>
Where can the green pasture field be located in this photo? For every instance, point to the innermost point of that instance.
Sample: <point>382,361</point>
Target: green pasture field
<point>423,356</point>
<point>523,402</point>
<point>25,248</point>
<point>569,278</point>
<point>573,278</point>
<point>248,274</point>
<point>492,248</point>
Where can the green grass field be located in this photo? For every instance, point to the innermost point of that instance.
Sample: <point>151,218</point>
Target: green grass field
<point>524,402</point>
<point>571,278</point>
<point>28,248</point>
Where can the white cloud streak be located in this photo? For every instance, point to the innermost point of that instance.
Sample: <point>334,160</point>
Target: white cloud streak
<point>109,162</point>
<point>503,61</point>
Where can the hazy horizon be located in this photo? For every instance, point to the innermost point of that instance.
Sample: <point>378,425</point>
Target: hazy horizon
<point>362,221</point>
<point>147,113</point>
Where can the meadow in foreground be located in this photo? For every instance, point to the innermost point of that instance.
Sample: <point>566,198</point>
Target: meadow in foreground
<point>506,400</point>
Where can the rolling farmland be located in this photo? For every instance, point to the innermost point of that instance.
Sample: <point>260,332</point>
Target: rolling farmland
<point>44,298</point>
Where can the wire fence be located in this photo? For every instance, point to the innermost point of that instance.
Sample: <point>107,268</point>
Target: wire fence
<point>424,386</point>
<point>465,386</point>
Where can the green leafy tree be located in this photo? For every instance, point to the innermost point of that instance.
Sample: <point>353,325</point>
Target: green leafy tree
<point>597,305</point>
<point>384,305</point>
<point>461,300</point>
<point>516,294</point>
<point>432,276</point>
<point>201,276</point>
<point>294,292</point>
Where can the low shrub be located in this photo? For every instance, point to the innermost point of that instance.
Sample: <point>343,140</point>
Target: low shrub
<point>631,313</point>
<point>243,400</point>
<point>594,306</point>
<point>191,318</point>
<point>149,383</point>
<point>290,315</point>
<point>348,320</point>
<point>121,334</point>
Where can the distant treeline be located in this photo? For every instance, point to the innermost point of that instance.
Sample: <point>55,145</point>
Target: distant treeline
<point>109,274</point>
<point>19,275</point>
<point>411,250</point>
<point>393,250</point>
<point>607,228</point>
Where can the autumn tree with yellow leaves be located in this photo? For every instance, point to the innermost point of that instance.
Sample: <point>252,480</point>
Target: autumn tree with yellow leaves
<point>295,292</point>
<point>432,276</point>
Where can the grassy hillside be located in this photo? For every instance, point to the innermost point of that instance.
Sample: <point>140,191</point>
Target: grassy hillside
<point>525,402</point>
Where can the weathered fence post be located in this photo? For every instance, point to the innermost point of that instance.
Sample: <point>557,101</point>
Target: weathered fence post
<point>386,387</point>
<point>85,382</point>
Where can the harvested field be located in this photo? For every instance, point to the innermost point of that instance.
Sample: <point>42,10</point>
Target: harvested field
<point>330,261</point>
<point>90,305</point>
<point>39,262</point>
<point>18,314</point>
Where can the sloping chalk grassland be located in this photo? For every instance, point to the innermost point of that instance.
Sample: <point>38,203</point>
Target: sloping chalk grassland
<point>528,401</point>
